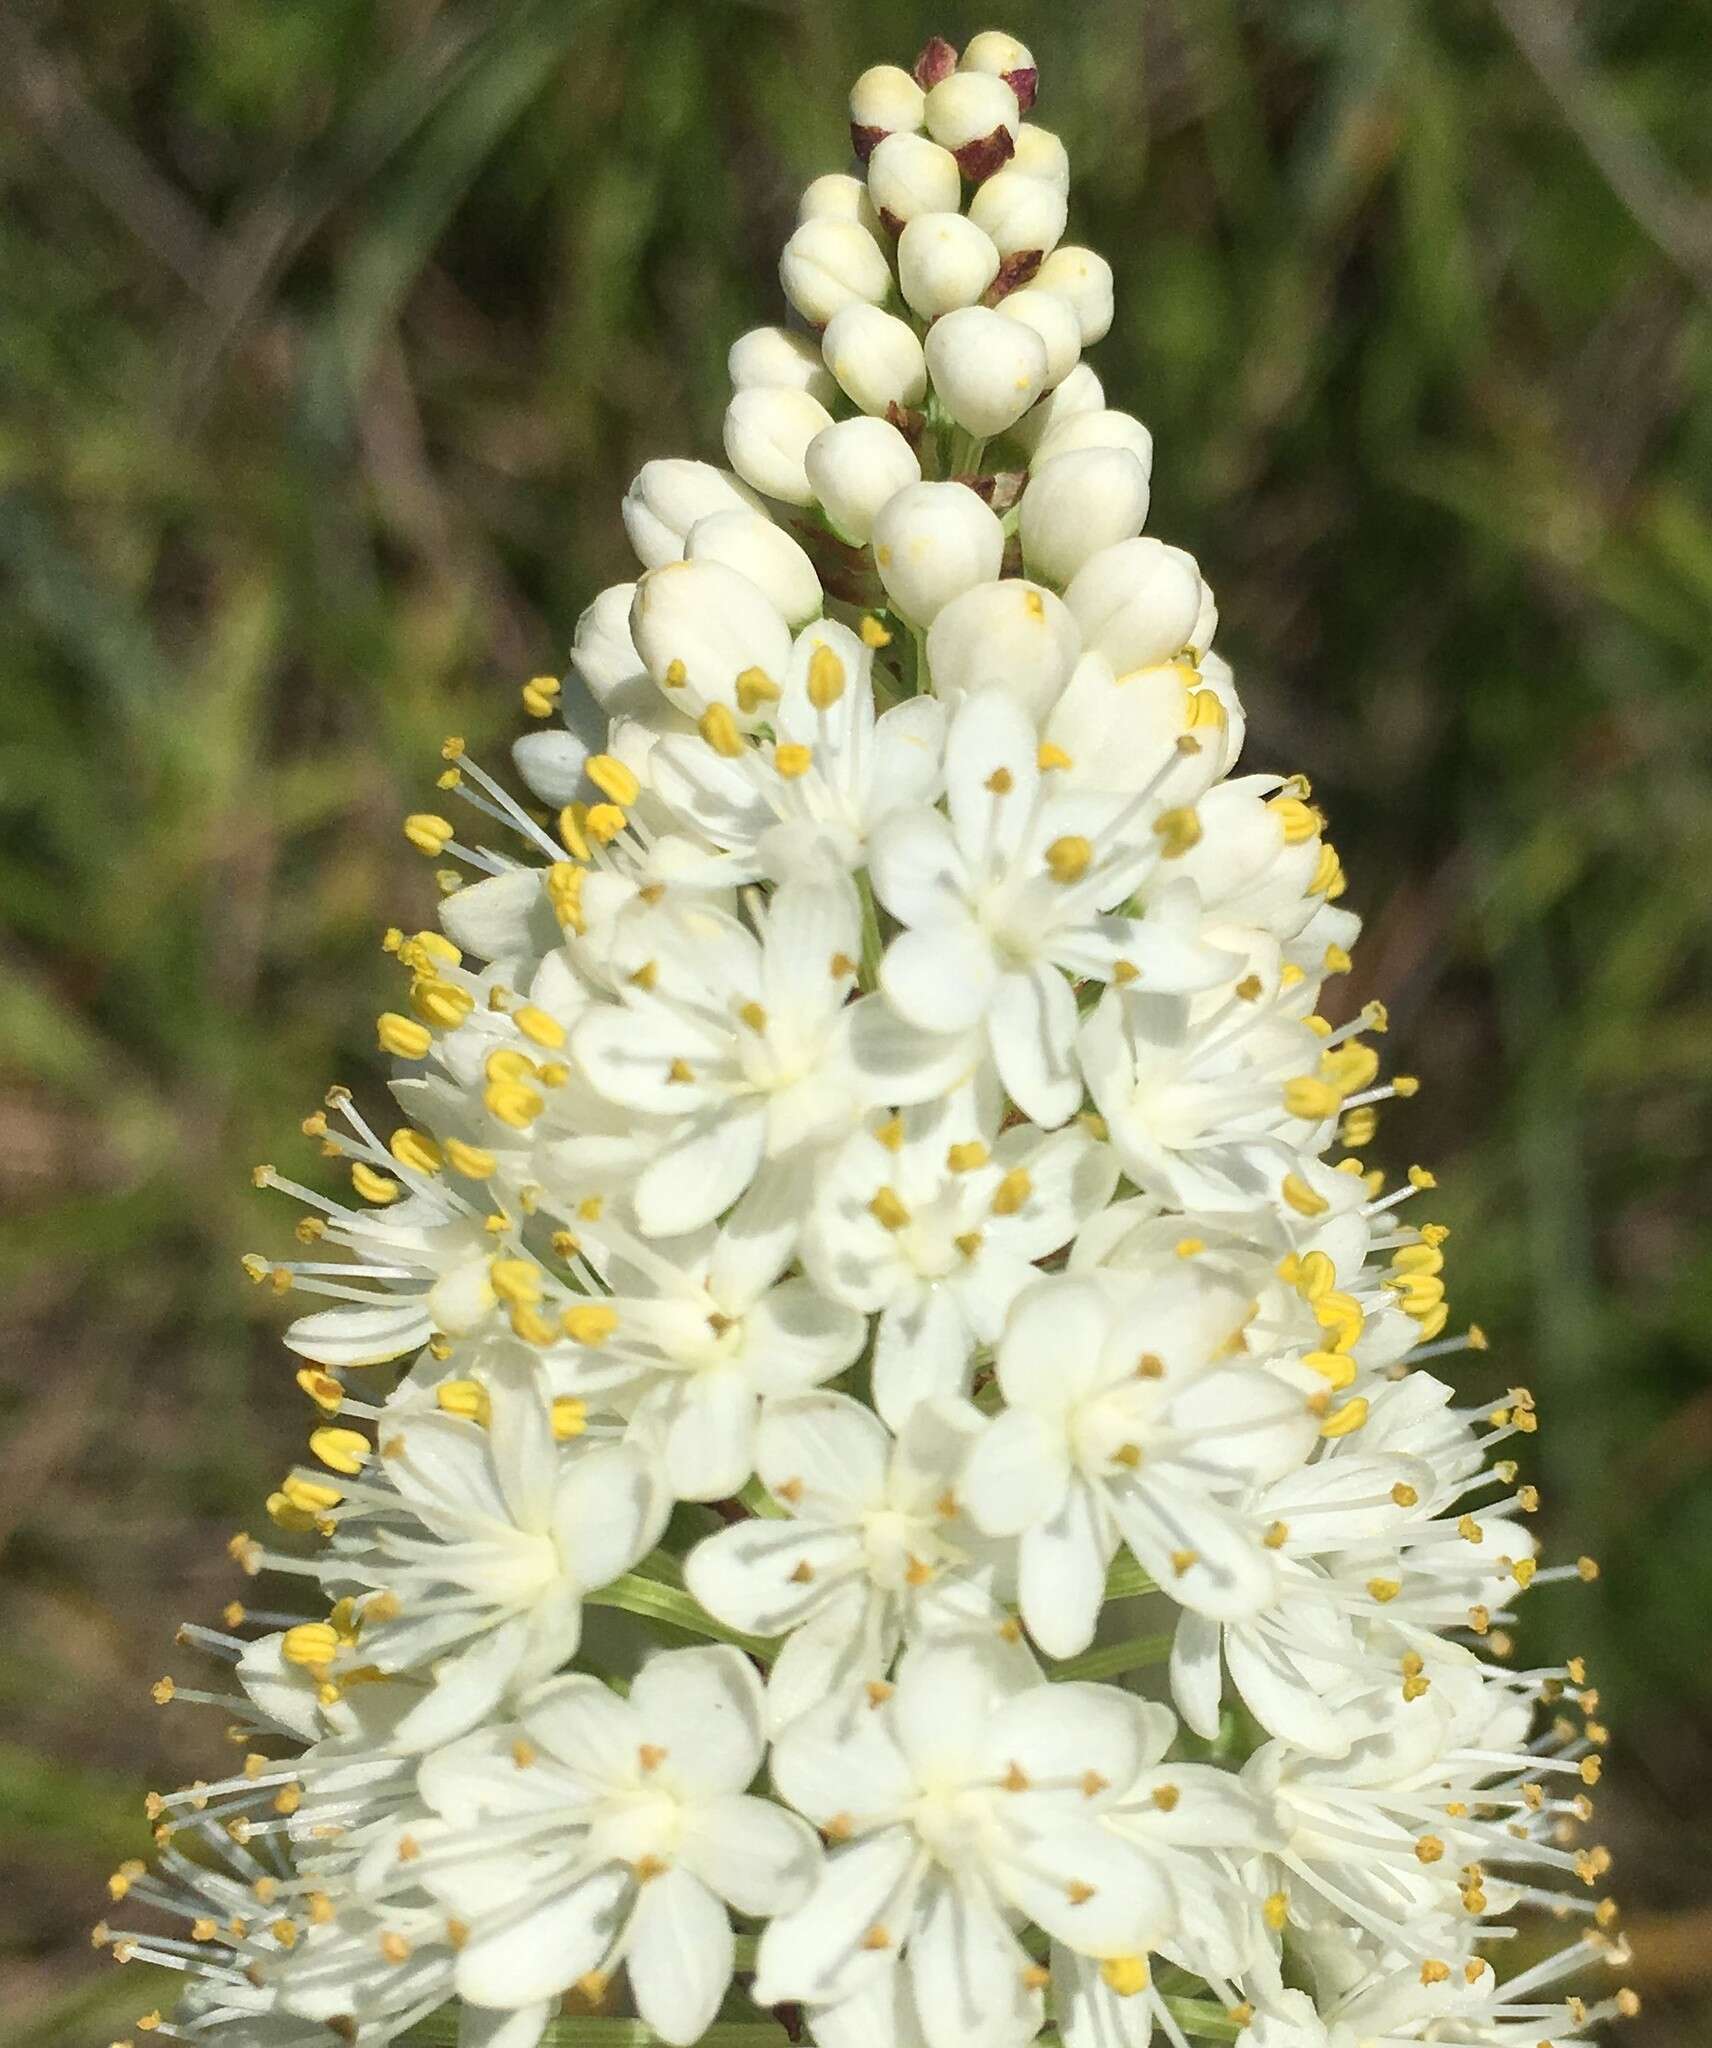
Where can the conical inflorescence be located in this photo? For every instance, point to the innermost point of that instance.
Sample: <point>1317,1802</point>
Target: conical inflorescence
<point>883,1467</point>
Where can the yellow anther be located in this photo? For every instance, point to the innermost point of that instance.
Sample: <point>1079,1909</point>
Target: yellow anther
<point>792,759</point>
<point>1314,1276</point>
<point>1341,1316</point>
<point>966,1158</point>
<point>891,1133</point>
<point>1337,1368</point>
<point>590,1323</point>
<point>1405,1085</point>
<point>753,1016</point>
<point>754,688</point>
<point>379,1188</point>
<point>465,1398</point>
<point>681,1073</point>
<point>1309,1097</point>
<point>570,1417</point>
<point>1012,1192</point>
<point>538,1027</point>
<point>1359,1126</point>
<point>540,694</point>
<point>322,1389</point>
<point>888,1210</point>
<point>517,1282</point>
<point>1328,870</point>
<point>1069,858</point>
<point>1405,1495</point>
<point>1384,1590</point>
<point>1275,1911</point>
<point>1000,783</point>
<point>1349,1067</point>
<point>717,726</point>
<point>415,1150</point>
<point>841,966</point>
<point>1289,975</point>
<point>612,778</point>
<point>340,1450</point>
<point>873,633</point>
<point>1051,756</point>
<point>1177,830</point>
<point>1433,1971</point>
<point>1125,1975</point>
<point>310,1644</point>
<point>1207,711</point>
<point>427,833</point>
<point>1189,1247</point>
<point>402,1036</point>
<point>825,679</point>
<point>604,822</point>
<point>1016,1779</point>
<point>474,1162</point>
<point>513,1103</point>
<point>968,1242</point>
<point>441,1002</point>
<point>1301,1197</point>
<point>1346,1420</point>
<point>1298,823</point>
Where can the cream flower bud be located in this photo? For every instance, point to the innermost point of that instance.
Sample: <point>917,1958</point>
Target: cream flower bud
<point>766,433</point>
<point>1077,504</point>
<point>551,763</point>
<point>751,544</point>
<point>1011,636</point>
<point>1004,57</point>
<point>1040,153</point>
<point>1206,618</point>
<point>987,370</point>
<point>884,101</point>
<point>1136,602</point>
<point>854,468</point>
<point>838,196</point>
<point>931,543</point>
<point>908,175</point>
<point>604,655</point>
<point>1020,212</point>
<point>774,355</point>
<point>1054,320</point>
<point>1078,392</point>
<point>698,626</point>
<point>944,261</point>
<point>831,263</point>
<point>1085,279</point>
<point>876,358</point>
<point>1097,428</point>
<point>667,498</point>
<point>976,117</point>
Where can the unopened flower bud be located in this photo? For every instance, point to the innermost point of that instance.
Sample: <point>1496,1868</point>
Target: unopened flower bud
<point>908,175</point>
<point>698,626</point>
<point>605,657</point>
<point>1040,153</point>
<point>551,763</point>
<point>838,196</point>
<point>667,498</point>
<point>766,433</point>
<point>751,544</point>
<point>1085,279</point>
<point>774,355</point>
<point>1136,602</point>
<point>938,59</point>
<point>875,357</point>
<point>1096,428</point>
<point>885,100</point>
<point>1206,618</point>
<point>1077,504</point>
<point>1054,320</point>
<point>855,467</point>
<point>1004,57</point>
<point>944,261</point>
<point>827,264</point>
<point>1020,213</point>
<point>931,543</point>
<point>1079,392</point>
<point>1011,636</point>
<point>986,370</point>
<point>976,117</point>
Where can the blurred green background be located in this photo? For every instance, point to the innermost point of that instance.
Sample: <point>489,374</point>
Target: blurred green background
<point>330,334</point>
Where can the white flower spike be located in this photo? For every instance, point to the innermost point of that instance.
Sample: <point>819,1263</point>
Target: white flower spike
<point>870,1290</point>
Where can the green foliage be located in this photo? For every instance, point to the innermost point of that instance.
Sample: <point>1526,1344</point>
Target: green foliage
<point>330,337</point>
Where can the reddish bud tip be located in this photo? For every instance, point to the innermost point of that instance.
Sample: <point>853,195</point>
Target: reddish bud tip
<point>937,61</point>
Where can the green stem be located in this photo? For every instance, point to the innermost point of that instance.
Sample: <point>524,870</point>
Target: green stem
<point>1110,1659</point>
<point>1127,1581</point>
<point>655,1602</point>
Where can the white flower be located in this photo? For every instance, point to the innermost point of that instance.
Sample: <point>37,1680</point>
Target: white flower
<point>854,468</point>
<point>959,1805</point>
<point>1054,319</point>
<point>1015,890</point>
<point>935,1223</point>
<point>876,358</point>
<point>874,1550</point>
<point>975,115</point>
<point>698,627</point>
<point>1078,391</point>
<point>944,261</point>
<point>777,356</point>
<point>1010,636</point>
<point>472,1549</point>
<point>667,499</point>
<point>1136,602</point>
<point>599,1832</point>
<point>883,100</point>
<point>1022,213</point>
<point>805,805</point>
<point>751,1046</point>
<point>756,548</point>
<point>986,370</point>
<point>908,174</point>
<point>1085,279</point>
<point>932,542</point>
<point>1078,503</point>
<point>838,196</point>
<point>767,433</point>
<point>1094,425</point>
<point>829,264</point>
<point>1126,1418</point>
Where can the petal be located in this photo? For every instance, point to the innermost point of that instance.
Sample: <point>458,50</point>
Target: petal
<point>753,1854</point>
<point>585,1726</point>
<point>1031,1026</point>
<point>848,1640</point>
<point>921,1352</point>
<point>1196,1672</point>
<point>1063,1731</point>
<point>1018,1473</point>
<point>992,776</point>
<point>361,1336</point>
<point>841,1757</point>
<point>466,1688</point>
<point>681,1953</point>
<point>794,1337</point>
<point>907,753</point>
<point>541,1946</point>
<point>809,924</point>
<point>705,1166</point>
<point>966,1968</point>
<point>1090,2013</point>
<point>1280,1697</point>
<point>709,1419</point>
<point>520,1440</point>
<point>637,1057</point>
<point>1054,1344</point>
<point>916,869</point>
<point>944,1692</point>
<point>816,1953</point>
<point>703,1708</point>
<point>747,1575</point>
<point>1061,1578</point>
<point>825,1453</point>
<point>1198,1552</point>
<point>479,2027</point>
<point>940,976</point>
<point>609,1512</point>
<point>900,1064</point>
<point>1087,1887</point>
